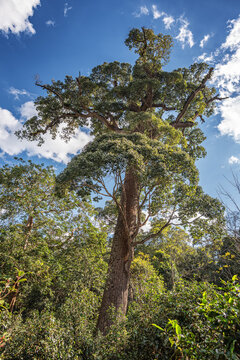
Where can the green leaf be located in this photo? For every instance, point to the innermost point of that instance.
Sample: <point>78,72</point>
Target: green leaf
<point>158,327</point>
<point>178,330</point>
<point>20,273</point>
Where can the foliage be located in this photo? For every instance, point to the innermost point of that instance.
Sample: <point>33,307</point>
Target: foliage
<point>229,258</point>
<point>215,327</point>
<point>9,289</point>
<point>52,250</point>
<point>53,246</point>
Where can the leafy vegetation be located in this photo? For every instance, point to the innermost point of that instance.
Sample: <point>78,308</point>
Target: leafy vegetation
<point>153,274</point>
<point>51,288</point>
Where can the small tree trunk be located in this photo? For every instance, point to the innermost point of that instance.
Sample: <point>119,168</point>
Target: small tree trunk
<point>116,288</point>
<point>28,231</point>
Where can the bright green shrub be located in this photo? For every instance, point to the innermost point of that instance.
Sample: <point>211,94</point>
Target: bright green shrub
<point>214,332</point>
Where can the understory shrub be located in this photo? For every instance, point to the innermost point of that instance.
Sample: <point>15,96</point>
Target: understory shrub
<point>194,321</point>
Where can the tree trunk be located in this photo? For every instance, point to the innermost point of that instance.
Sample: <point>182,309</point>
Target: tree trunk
<point>116,288</point>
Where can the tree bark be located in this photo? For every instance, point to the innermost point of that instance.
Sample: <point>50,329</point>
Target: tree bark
<point>122,252</point>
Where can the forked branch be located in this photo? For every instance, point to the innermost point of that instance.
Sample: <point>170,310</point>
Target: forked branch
<point>83,113</point>
<point>153,236</point>
<point>193,94</point>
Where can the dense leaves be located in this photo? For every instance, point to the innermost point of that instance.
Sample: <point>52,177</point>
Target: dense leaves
<point>51,289</point>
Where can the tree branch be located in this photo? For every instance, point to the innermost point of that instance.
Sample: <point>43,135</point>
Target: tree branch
<point>94,189</point>
<point>104,121</point>
<point>133,107</point>
<point>152,236</point>
<point>182,125</point>
<point>197,113</point>
<point>192,96</point>
<point>48,88</point>
<point>144,41</point>
<point>76,113</point>
<point>163,106</point>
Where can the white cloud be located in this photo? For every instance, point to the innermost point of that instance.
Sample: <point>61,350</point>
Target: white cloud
<point>28,110</point>
<point>7,122</point>
<point>50,23</point>
<point>230,125</point>
<point>17,93</point>
<point>204,40</point>
<point>143,11</point>
<point>168,21</point>
<point>57,149</point>
<point>227,72</point>
<point>147,227</point>
<point>233,160</point>
<point>226,78</point>
<point>206,58</point>
<point>185,36</point>
<point>66,9</point>
<point>156,14</point>
<point>14,15</point>
<point>233,38</point>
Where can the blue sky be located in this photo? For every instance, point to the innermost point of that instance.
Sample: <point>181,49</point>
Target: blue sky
<point>50,39</point>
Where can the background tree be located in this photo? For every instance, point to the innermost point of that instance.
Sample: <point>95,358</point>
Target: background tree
<point>175,257</point>
<point>143,153</point>
<point>46,237</point>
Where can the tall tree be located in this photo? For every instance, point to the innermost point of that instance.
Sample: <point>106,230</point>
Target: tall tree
<point>146,142</point>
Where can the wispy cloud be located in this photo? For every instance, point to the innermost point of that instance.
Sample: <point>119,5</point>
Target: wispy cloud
<point>168,21</point>
<point>185,36</point>
<point>156,13</point>
<point>66,9</point>
<point>17,93</point>
<point>142,11</point>
<point>204,40</point>
<point>57,149</point>
<point>50,23</point>
<point>206,58</point>
<point>14,16</point>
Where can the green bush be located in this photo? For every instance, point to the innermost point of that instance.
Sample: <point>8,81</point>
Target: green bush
<point>214,331</point>
<point>198,321</point>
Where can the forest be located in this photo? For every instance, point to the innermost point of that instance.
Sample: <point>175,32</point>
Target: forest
<point>122,255</point>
